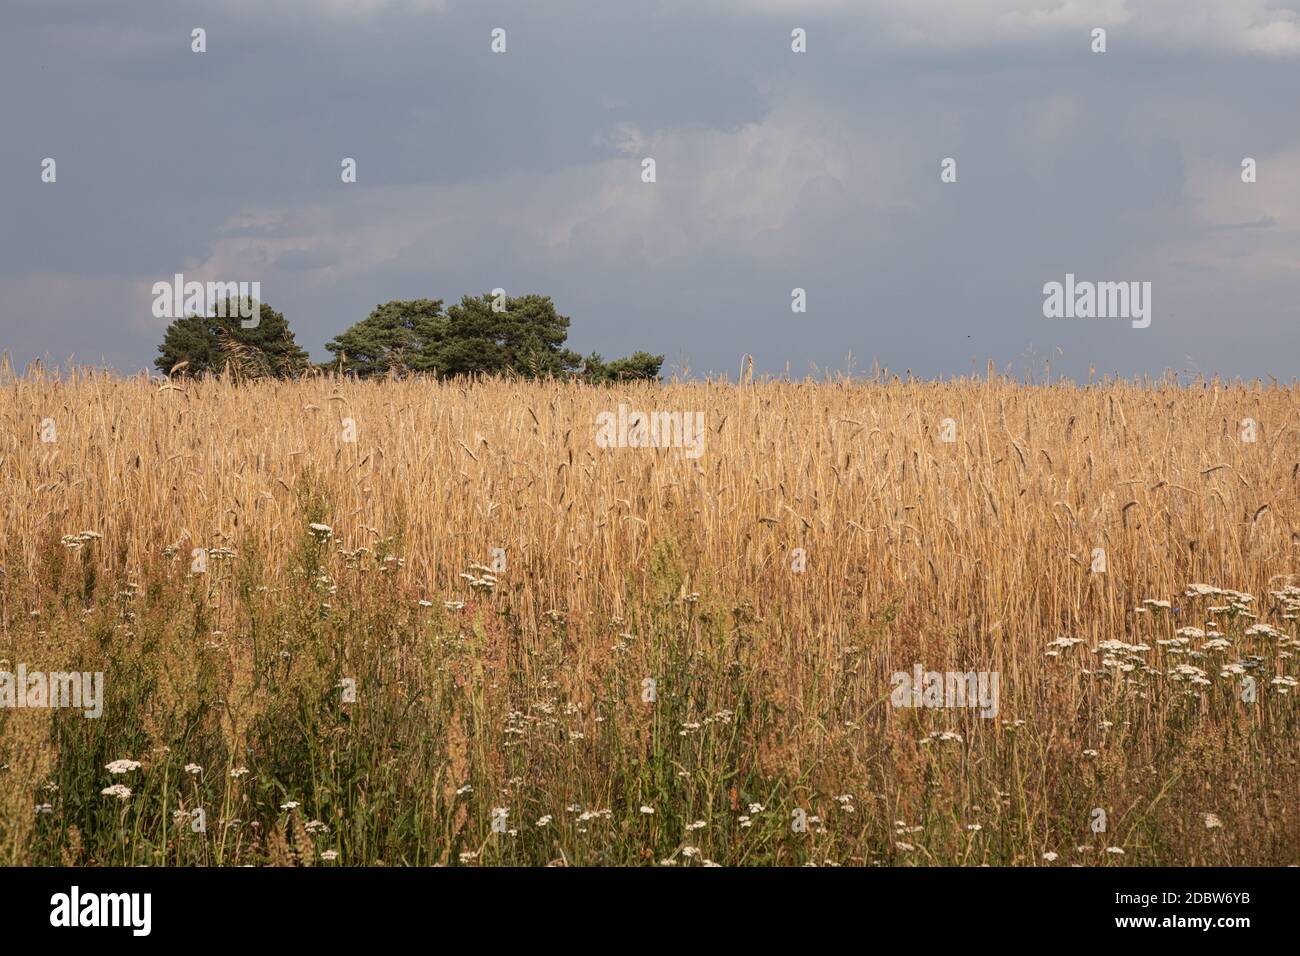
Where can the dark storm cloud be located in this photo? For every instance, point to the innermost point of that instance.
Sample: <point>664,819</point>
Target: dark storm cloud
<point>775,170</point>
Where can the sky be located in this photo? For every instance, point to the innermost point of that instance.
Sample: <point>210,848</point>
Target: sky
<point>774,170</point>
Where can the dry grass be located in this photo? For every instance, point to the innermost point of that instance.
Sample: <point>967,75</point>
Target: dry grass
<point>772,686</point>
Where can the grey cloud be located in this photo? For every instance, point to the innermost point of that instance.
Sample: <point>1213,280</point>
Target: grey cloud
<point>775,171</point>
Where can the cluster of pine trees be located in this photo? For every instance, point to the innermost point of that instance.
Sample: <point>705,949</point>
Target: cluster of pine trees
<point>521,336</point>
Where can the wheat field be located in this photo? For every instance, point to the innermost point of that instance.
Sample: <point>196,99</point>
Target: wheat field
<point>408,622</point>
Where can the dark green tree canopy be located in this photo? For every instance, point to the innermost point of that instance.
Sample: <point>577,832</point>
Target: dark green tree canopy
<point>521,336</point>
<point>220,343</point>
<point>396,337</point>
<point>487,335</point>
<point>638,365</point>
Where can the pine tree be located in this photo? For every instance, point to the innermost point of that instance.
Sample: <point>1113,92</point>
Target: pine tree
<point>396,337</point>
<point>220,343</point>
